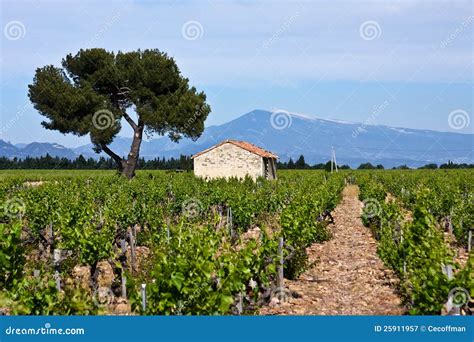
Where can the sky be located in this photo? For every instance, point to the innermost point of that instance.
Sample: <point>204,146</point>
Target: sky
<point>411,62</point>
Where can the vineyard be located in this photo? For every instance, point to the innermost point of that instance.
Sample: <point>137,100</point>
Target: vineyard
<point>423,221</point>
<point>171,244</point>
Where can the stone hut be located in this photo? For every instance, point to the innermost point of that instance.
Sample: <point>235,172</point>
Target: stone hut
<point>233,158</point>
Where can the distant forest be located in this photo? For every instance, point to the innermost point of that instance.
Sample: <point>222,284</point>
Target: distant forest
<point>181,163</point>
<point>81,163</point>
<point>301,164</point>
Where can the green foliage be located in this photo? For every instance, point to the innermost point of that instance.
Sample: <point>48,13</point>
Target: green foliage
<point>415,249</point>
<point>94,79</point>
<point>366,166</point>
<point>203,265</point>
<point>196,274</point>
<point>206,264</point>
<point>425,253</point>
<point>39,296</point>
<point>12,257</point>
<point>301,220</point>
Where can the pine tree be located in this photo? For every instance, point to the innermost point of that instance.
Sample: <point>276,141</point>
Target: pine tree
<point>95,89</point>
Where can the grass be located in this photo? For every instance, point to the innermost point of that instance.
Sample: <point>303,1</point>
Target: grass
<point>41,175</point>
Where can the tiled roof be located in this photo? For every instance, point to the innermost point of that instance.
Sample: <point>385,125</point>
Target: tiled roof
<point>242,144</point>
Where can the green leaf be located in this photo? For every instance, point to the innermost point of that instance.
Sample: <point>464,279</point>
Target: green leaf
<point>177,279</point>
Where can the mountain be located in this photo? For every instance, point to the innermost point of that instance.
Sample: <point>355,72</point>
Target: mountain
<point>35,149</point>
<point>8,150</point>
<point>290,135</point>
<point>40,149</point>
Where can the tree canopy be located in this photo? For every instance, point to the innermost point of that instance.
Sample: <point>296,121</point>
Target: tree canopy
<point>95,89</point>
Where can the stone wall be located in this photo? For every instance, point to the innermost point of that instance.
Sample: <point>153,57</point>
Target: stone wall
<point>227,161</point>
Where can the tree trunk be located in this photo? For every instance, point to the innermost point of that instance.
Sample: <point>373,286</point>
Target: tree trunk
<point>129,166</point>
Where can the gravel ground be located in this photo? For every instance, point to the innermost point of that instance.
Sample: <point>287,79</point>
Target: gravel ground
<point>347,276</point>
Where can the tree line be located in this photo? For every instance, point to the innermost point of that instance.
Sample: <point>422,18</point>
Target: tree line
<point>81,163</point>
<point>300,164</point>
<point>182,163</point>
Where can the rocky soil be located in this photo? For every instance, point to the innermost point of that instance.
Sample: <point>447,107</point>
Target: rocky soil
<point>346,277</point>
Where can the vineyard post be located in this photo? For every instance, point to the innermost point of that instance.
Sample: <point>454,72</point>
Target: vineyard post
<point>123,246</point>
<point>132,249</point>
<point>168,230</point>
<point>143,292</point>
<point>134,232</point>
<point>280,266</point>
<point>404,256</point>
<point>56,259</point>
<point>448,271</point>
<point>229,220</point>
<point>50,237</point>
<point>450,223</point>
<point>220,218</point>
<point>240,306</point>
<point>469,240</point>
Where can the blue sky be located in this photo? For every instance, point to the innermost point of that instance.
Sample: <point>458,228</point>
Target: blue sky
<point>334,59</point>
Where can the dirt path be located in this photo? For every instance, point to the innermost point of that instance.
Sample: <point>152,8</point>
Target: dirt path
<point>347,277</point>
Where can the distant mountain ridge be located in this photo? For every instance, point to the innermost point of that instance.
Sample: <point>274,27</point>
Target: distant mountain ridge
<point>290,135</point>
<point>35,149</point>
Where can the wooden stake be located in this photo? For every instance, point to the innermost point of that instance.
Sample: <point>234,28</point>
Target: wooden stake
<point>143,291</point>
<point>469,241</point>
<point>123,247</point>
<point>456,311</point>
<point>449,305</point>
<point>134,232</point>
<point>240,306</point>
<point>448,271</point>
<point>56,261</point>
<point>229,220</point>
<point>50,239</point>
<point>280,266</point>
<point>132,249</point>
